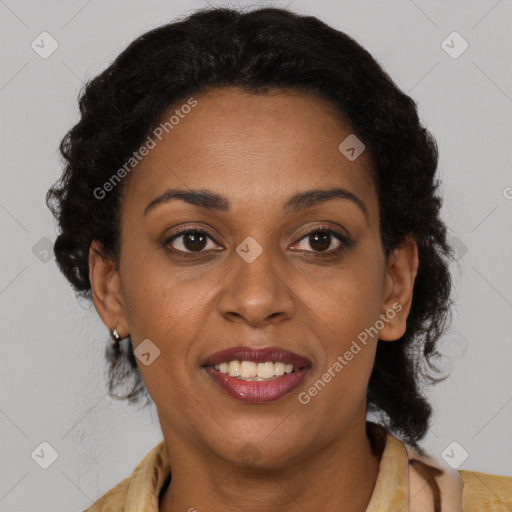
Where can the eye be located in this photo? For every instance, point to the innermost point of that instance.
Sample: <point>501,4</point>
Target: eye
<point>190,241</point>
<point>321,240</point>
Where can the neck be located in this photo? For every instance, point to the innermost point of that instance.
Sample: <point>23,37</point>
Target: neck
<point>340,477</point>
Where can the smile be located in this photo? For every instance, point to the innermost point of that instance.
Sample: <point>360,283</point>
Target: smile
<point>257,375</point>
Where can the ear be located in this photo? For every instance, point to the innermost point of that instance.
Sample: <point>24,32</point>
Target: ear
<point>399,282</point>
<point>106,290</point>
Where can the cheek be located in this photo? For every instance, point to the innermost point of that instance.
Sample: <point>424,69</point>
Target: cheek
<point>350,301</point>
<point>158,302</point>
<point>171,307</point>
<point>341,378</point>
<point>347,312</point>
<point>160,308</point>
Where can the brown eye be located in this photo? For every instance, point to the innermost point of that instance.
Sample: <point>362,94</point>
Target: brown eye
<point>322,241</point>
<point>194,241</point>
<point>191,240</point>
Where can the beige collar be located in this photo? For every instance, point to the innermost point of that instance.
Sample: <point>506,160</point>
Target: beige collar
<point>421,495</point>
<point>399,486</point>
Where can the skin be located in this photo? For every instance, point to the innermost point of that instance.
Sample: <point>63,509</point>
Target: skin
<point>257,151</point>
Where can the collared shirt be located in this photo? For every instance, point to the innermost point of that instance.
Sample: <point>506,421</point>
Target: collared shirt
<point>394,490</point>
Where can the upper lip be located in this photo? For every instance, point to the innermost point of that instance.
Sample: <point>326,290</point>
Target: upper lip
<point>257,355</point>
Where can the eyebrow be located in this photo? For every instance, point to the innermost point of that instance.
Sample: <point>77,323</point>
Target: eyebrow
<point>210,200</point>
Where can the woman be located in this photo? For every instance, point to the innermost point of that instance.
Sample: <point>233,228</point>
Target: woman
<point>251,204</point>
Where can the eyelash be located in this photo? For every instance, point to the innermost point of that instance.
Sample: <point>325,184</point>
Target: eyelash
<point>345,242</point>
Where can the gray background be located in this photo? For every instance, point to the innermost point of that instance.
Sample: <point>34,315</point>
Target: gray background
<point>52,365</point>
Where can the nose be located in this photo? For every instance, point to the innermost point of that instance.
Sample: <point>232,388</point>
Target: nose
<point>256,293</point>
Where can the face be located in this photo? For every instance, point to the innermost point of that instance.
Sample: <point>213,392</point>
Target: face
<point>254,269</point>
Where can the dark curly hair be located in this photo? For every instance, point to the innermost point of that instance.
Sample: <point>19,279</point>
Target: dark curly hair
<point>258,51</point>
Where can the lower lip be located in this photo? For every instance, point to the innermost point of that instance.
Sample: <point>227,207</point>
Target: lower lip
<point>258,391</point>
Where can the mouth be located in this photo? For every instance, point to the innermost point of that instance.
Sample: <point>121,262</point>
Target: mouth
<point>257,375</point>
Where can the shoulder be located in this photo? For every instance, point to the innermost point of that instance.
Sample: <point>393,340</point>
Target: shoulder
<point>466,491</point>
<point>483,491</point>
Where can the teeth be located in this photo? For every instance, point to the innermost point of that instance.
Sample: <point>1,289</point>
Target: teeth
<point>266,370</point>
<point>279,368</point>
<point>234,368</point>
<point>249,370</point>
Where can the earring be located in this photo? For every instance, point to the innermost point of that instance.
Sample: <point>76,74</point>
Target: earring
<point>115,335</point>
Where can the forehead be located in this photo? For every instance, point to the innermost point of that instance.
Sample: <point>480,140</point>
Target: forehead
<point>252,148</point>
